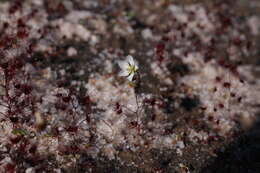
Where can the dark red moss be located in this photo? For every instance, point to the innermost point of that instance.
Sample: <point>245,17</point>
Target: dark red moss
<point>237,41</point>
<point>85,100</point>
<point>210,118</point>
<point>239,99</point>
<point>189,103</point>
<point>118,108</point>
<point>66,99</point>
<point>5,25</point>
<point>227,84</point>
<point>21,24</point>
<point>133,124</point>
<point>159,51</point>
<point>61,106</point>
<point>151,101</point>
<point>203,108</point>
<point>9,168</point>
<point>220,105</point>
<point>27,89</point>
<point>33,149</point>
<point>22,34</point>
<point>16,139</point>
<point>232,94</point>
<point>72,129</point>
<point>153,117</point>
<point>14,119</point>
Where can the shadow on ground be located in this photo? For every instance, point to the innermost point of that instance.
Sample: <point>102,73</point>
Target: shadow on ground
<point>242,156</point>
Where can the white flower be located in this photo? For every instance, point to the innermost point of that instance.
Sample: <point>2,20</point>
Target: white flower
<point>128,67</point>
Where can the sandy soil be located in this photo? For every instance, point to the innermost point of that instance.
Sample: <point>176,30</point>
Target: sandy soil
<point>192,107</point>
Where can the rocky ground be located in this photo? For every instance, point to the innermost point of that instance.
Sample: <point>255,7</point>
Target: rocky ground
<point>192,107</point>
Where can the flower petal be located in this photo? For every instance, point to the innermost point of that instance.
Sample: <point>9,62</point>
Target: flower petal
<point>136,66</point>
<point>130,77</point>
<point>123,65</point>
<point>130,60</point>
<point>123,73</point>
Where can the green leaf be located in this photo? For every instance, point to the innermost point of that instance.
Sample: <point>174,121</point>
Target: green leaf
<point>19,132</point>
<point>130,14</point>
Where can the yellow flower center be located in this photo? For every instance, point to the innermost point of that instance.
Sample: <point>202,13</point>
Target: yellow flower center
<point>131,69</point>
